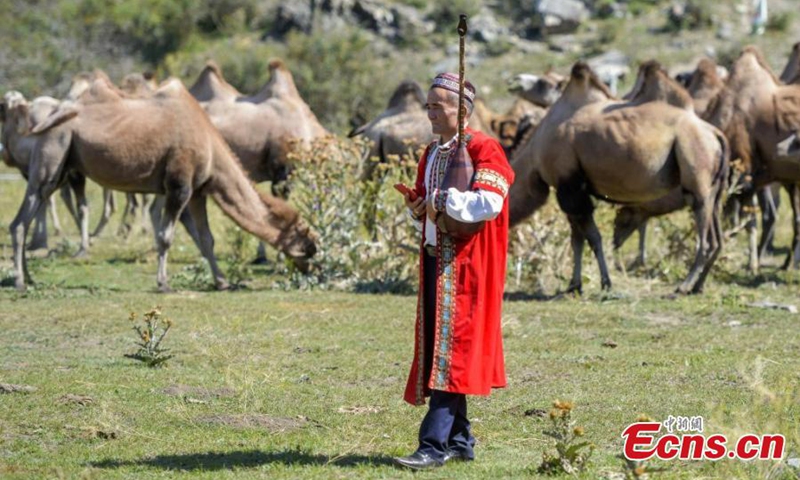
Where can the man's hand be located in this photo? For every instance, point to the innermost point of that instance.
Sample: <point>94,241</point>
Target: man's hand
<point>416,206</point>
<point>432,213</point>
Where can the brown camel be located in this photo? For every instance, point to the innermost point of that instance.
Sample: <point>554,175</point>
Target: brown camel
<point>704,85</point>
<point>757,112</point>
<point>591,144</point>
<point>541,90</point>
<point>163,144</point>
<point>402,128</point>
<point>261,129</point>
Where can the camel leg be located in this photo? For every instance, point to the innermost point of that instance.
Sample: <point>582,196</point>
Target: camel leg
<point>51,205</point>
<point>175,202</point>
<point>66,197</point>
<point>109,207</point>
<point>752,233</point>
<point>592,234</point>
<point>39,239</point>
<point>261,254</point>
<point>78,184</point>
<point>144,210</point>
<point>793,257</point>
<point>715,237</point>
<point>131,205</point>
<point>704,218</point>
<point>640,259</point>
<point>577,240</point>
<point>768,218</point>
<point>197,209</point>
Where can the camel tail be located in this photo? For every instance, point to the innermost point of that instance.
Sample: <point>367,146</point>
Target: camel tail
<point>722,177</point>
<point>526,197</point>
<point>62,115</point>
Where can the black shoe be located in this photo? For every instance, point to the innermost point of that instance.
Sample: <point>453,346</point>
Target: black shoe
<point>418,461</point>
<point>456,456</point>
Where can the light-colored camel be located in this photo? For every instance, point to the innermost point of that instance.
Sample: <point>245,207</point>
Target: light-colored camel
<point>541,90</point>
<point>791,73</point>
<point>163,144</point>
<point>591,144</point>
<point>401,128</point>
<point>18,117</point>
<point>263,128</point>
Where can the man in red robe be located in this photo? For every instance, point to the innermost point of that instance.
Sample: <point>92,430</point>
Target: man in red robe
<point>458,348</point>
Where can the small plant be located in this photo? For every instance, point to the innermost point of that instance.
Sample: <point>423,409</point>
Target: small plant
<point>572,453</point>
<point>151,335</point>
<point>242,244</point>
<point>196,276</point>
<point>638,469</point>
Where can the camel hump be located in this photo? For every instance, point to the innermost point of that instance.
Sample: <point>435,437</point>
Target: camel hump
<point>211,83</point>
<point>281,81</point>
<point>66,112</point>
<point>408,92</point>
<point>582,72</point>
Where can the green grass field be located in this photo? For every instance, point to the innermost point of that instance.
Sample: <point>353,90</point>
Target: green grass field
<point>274,384</point>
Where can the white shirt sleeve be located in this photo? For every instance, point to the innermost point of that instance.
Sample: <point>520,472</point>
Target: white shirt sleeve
<point>473,206</point>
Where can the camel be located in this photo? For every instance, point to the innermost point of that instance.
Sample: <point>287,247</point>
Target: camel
<point>704,85</point>
<point>593,145</point>
<point>757,112</point>
<point>263,128</point>
<point>18,116</point>
<point>541,90</point>
<point>162,144</point>
<point>402,127</point>
<point>791,73</point>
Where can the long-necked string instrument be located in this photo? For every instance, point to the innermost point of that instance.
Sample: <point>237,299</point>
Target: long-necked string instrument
<point>460,170</point>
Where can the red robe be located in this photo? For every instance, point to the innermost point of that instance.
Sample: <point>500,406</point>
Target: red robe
<point>468,348</point>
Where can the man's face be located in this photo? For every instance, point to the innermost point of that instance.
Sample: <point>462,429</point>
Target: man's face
<point>442,108</point>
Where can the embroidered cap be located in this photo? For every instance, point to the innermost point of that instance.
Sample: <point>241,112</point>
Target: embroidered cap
<point>449,81</point>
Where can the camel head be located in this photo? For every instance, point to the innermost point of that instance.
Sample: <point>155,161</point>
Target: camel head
<point>627,220</point>
<point>540,90</point>
<point>585,86</point>
<point>295,239</point>
<point>406,94</point>
<point>791,74</point>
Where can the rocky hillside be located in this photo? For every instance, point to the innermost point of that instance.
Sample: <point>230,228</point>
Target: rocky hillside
<point>348,55</point>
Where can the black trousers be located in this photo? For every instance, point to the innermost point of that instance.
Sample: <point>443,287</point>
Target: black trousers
<point>445,426</point>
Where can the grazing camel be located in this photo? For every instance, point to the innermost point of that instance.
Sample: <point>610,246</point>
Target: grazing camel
<point>261,129</point>
<point>162,144</point>
<point>592,145</point>
<point>18,117</point>
<point>401,127</point>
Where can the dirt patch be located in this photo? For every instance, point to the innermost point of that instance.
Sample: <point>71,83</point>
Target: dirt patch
<point>200,393</point>
<point>82,400</point>
<point>358,410</point>
<point>9,388</point>
<point>265,422</point>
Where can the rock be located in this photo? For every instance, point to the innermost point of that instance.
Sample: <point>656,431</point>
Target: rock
<point>298,15</point>
<point>610,67</point>
<point>558,16</point>
<point>725,31</point>
<point>484,27</point>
